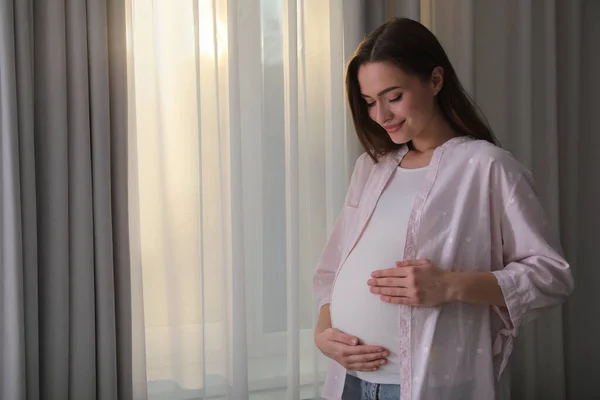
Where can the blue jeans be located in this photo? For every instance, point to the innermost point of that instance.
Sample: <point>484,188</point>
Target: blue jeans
<point>357,389</point>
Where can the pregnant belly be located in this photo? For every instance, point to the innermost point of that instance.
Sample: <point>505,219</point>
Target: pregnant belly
<point>358,312</point>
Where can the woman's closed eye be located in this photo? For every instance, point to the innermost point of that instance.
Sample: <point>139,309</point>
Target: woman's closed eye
<point>395,99</point>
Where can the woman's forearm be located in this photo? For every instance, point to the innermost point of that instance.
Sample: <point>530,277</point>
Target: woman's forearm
<point>324,321</point>
<point>474,287</point>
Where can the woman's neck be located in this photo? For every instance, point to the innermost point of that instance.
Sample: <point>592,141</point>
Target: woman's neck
<point>435,133</point>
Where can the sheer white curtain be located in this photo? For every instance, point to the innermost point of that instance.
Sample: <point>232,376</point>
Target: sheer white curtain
<point>241,150</point>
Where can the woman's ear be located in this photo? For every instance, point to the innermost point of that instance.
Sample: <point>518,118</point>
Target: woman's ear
<point>437,80</point>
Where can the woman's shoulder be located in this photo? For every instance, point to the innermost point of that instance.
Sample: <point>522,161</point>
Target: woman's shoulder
<point>482,149</point>
<point>365,167</point>
<point>364,160</point>
<point>362,168</point>
<point>485,154</point>
<point>366,163</point>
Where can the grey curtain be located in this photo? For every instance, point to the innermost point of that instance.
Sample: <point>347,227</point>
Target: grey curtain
<point>532,67</point>
<point>65,330</point>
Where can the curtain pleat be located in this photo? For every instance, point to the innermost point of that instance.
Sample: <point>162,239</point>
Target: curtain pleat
<point>233,104</point>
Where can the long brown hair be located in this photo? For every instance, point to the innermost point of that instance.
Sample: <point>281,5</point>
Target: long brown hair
<point>414,49</point>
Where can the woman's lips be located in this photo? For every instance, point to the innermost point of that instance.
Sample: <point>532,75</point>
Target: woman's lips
<point>393,128</point>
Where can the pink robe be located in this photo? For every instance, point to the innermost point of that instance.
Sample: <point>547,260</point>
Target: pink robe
<point>476,211</point>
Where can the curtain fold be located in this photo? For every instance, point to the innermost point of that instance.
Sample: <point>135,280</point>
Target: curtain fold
<point>65,319</point>
<point>243,150</point>
<point>580,188</point>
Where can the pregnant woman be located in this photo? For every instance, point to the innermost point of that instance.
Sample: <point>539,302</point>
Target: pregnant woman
<point>442,250</point>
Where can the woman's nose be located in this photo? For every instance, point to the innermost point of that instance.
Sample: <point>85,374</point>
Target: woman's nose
<point>383,113</point>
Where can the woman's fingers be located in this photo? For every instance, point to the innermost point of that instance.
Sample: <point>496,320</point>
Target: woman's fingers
<point>349,351</point>
<point>344,349</point>
<point>367,358</point>
<point>397,292</point>
<point>367,366</point>
<point>388,282</point>
<point>402,269</point>
<point>390,272</point>
<point>339,336</point>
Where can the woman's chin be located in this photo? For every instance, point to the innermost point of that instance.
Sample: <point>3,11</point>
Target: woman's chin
<point>399,138</point>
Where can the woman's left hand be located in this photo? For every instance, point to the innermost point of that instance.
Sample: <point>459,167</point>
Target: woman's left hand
<point>411,283</point>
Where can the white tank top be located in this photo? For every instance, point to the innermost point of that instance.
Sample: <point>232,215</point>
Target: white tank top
<point>354,309</point>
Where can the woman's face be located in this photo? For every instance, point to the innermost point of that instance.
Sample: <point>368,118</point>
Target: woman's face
<point>401,103</point>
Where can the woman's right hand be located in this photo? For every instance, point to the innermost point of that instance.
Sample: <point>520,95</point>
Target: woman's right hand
<point>346,351</point>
